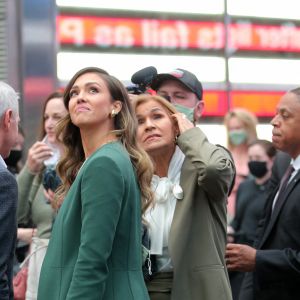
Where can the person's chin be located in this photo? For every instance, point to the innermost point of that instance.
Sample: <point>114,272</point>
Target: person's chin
<point>154,148</point>
<point>276,139</point>
<point>278,144</point>
<point>150,146</point>
<point>52,138</point>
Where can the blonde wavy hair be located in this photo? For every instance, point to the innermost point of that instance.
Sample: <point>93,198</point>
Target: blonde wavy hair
<point>159,99</point>
<point>125,129</point>
<point>170,109</point>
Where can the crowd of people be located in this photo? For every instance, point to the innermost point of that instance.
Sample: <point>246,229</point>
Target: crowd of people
<point>124,197</point>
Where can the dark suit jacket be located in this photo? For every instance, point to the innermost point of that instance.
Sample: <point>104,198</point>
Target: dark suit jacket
<point>281,162</point>
<point>277,271</point>
<point>8,231</point>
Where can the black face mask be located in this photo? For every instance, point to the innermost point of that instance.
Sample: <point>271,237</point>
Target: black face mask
<point>258,168</point>
<point>13,158</point>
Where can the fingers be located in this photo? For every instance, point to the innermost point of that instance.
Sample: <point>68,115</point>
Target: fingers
<point>240,257</point>
<point>232,256</point>
<point>183,122</point>
<point>26,234</point>
<point>40,147</point>
<point>41,155</point>
<point>49,195</point>
<point>231,249</point>
<point>37,154</point>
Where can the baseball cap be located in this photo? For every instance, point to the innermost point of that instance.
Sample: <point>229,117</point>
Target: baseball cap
<point>187,78</point>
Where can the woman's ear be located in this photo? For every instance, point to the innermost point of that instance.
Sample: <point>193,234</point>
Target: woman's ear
<point>176,129</point>
<point>117,106</point>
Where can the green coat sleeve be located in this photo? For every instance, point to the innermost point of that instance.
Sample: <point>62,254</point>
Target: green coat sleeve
<point>28,185</point>
<point>102,193</point>
<point>213,164</point>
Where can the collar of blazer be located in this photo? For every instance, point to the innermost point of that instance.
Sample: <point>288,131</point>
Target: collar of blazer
<point>275,215</point>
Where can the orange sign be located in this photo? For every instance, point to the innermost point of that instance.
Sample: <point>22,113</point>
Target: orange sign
<point>215,103</point>
<point>261,103</point>
<point>107,32</point>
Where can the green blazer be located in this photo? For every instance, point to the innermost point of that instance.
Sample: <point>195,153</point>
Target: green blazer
<point>95,246</point>
<point>197,238</point>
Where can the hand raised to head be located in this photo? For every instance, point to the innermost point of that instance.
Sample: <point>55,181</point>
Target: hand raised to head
<point>183,122</point>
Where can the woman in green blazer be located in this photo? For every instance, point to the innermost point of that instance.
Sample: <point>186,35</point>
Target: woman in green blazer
<point>187,224</point>
<point>95,247</point>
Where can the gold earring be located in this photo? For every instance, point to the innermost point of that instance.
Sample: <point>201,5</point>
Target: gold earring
<point>175,139</point>
<point>113,113</point>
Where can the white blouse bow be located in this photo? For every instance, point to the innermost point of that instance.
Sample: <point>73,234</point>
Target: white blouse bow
<point>167,190</point>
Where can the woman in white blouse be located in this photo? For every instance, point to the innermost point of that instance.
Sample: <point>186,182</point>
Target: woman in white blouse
<point>187,225</point>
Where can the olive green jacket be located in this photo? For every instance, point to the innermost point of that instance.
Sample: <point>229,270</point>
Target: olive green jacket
<point>32,204</point>
<point>197,238</point>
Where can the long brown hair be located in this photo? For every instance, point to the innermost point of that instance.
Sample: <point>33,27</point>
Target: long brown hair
<point>125,129</point>
<point>42,132</point>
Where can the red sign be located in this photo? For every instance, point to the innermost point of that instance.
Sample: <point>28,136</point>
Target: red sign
<point>247,36</point>
<point>135,32</point>
<point>107,32</point>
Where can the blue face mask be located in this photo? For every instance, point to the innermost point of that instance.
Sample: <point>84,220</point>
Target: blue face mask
<point>237,137</point>
<point>189,112</point>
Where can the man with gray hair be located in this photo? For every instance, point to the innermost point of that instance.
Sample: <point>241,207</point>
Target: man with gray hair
<point>9,119</point>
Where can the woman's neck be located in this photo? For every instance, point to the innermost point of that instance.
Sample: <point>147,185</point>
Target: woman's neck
<point>162,160</point>
<point>240,158</point>
<point>240,149</point>
<point>92,142</point>
<point>262,180</point>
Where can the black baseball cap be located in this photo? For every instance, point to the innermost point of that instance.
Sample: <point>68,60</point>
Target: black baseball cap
<point>187,78</point>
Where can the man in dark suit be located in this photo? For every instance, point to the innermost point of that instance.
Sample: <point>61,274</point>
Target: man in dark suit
<point>9,119</point>
<point>274,262</point>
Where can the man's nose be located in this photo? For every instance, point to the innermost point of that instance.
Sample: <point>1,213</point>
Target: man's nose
<point>274,121</point>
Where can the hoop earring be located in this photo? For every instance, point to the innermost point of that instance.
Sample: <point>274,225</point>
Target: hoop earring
<point>113,113</point>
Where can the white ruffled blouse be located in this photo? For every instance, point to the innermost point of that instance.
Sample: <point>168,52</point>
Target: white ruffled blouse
<point>167,191</point>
